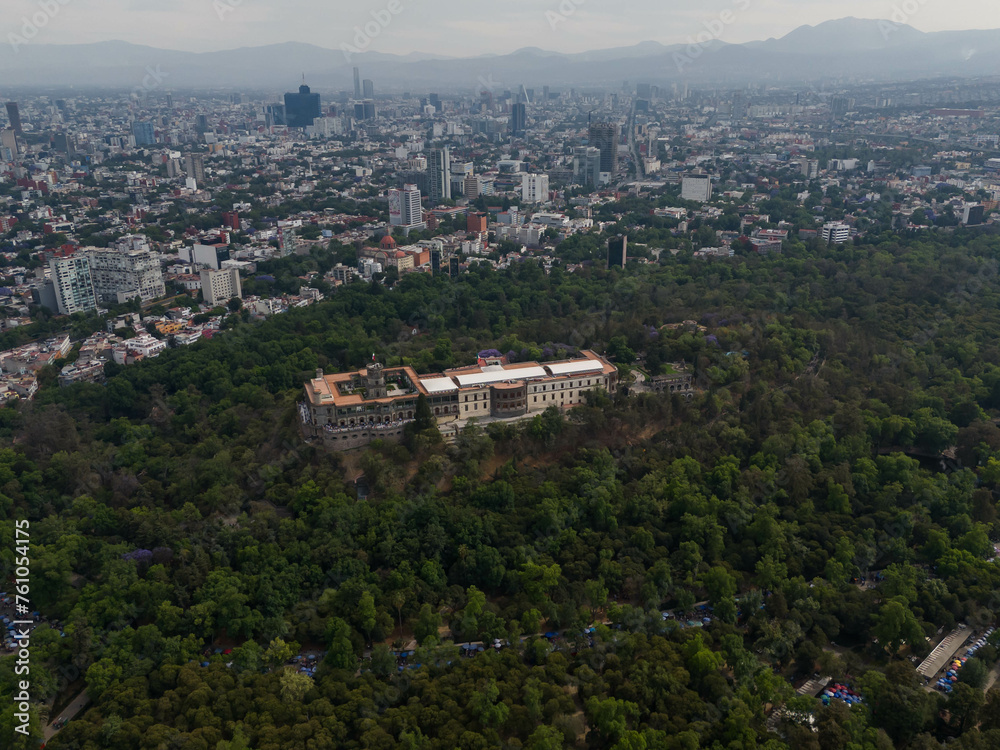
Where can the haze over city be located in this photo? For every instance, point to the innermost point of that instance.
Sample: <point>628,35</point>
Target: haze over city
<point>463,29</point>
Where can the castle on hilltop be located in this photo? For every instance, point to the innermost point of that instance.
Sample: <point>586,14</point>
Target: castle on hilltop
<point>350,410</point>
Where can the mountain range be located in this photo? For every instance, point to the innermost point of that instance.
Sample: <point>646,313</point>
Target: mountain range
<point>849,48</point>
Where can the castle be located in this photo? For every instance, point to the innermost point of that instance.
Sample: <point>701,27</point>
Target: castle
<point>350,410</point>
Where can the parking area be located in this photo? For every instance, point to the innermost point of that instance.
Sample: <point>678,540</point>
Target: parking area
<point>950,673</point>
<point>944,652</point>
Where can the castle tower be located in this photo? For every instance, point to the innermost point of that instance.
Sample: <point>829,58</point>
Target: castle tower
<point>375,381</point>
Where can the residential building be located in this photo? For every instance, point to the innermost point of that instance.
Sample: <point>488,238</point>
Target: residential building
<point>473,187</point>
<point>476,222</point>
<point>836,232</point>
<point>534,188</point>
<point>697,188</point>
<point>218,287</point>
<point>123,274</point>
<point>73,284</point>
<point>439,174</point>
<point>405,210</point>
<point>194,165</point>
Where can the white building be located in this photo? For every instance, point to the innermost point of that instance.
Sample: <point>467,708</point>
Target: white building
<point>124,274</point>
<point>697,187</point>
<point>73,284</point>
<point>836,232</point>
<point>534,188</point>
<point>218,287</point>
<point>405,209</point>
<point>557,221</point>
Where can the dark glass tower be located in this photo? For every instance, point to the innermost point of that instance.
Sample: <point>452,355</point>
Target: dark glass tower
<point>302,108</point>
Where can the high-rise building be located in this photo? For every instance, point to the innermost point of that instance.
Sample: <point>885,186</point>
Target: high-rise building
<point>534,188</point>
<point>519,119</point>
<point>404,208</point>
<point>8,142</point>
<point>275,116</point>
<point>218,287</point>
<point>127,272</point>
<point>473,187</point>
<point>435,101</point>
<point>739,106</point>
<point>170,101</point>
<point>73,284</point>
<point>201,123</point>
<point>439,174</point>
<point>973,214</point>
<point>14,115</point>
<point>63,142</point>
<point>587,165</point>
<point>194,165</point>
<point>368,89</point>
<point>697,187</point>
<point>643,90</point>
<point>144,133</point>
<point>618,251</point>
<point>357,83</point>
<point>604,136</point>
<point>303,108</point>
<point>436,256</point>
<point>231,219</point>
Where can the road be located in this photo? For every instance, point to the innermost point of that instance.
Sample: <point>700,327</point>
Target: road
<point>70,712</point>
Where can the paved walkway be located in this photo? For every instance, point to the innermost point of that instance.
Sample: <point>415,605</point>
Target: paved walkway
<point>70,712</point>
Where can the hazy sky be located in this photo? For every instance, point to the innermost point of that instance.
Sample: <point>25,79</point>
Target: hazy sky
<point>463,27</point>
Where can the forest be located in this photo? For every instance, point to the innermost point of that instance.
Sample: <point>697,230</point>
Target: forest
<point>844,428</point>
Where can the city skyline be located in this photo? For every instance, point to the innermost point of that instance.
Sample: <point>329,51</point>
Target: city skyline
<point>448,30</point>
